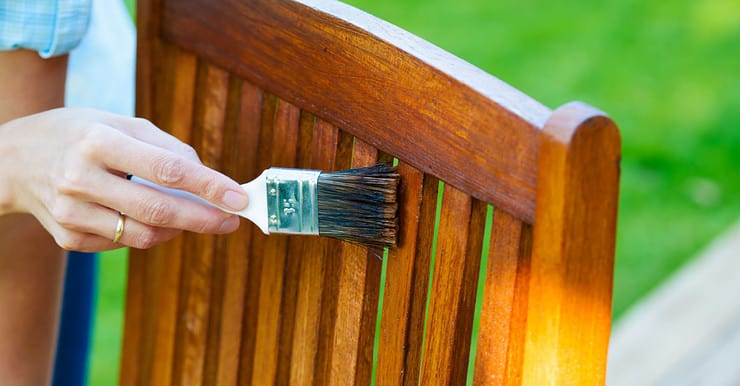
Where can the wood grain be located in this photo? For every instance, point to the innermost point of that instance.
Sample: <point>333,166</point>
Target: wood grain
<point>224,347</point>
<point>273,257</point>
<point>503,312</point>
<point>156,331</point>
<point>337,62</point>
<point>454,283</point>
<point>366,155</point>
<point>569,306</point>
<point>345,293</point>
<point>333,262</point>
<point>421,276</point>
<point>399,282</point>
<point>258,241</point>
<point>148,16</point>
<point>148,23</point>
<point>310,261</point>
<point>194,326</point>
<point>178,114</point>
<point>317,84</point>
<point>295,250</point>
<point>131,362</point>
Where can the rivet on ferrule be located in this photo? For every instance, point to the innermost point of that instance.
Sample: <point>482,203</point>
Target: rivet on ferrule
<point>292,201</point>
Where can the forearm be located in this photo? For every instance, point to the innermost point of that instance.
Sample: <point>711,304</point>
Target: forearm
<point>31,264</point>
<point>30,84</point>
<point>31,273</point>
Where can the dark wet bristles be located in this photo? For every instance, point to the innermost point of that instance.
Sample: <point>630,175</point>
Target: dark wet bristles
<point>360,205</point>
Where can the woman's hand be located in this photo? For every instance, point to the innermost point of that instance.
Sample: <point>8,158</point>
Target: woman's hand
<point>67,167</point>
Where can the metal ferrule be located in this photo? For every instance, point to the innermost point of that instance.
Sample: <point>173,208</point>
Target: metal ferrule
<point>292,205</point>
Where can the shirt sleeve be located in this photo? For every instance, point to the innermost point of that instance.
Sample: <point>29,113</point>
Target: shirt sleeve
<point>51,27</point>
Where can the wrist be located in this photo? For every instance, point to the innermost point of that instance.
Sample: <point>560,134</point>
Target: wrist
<point>7,196</point>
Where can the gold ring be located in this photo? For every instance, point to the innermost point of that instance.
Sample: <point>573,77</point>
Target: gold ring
<point>119,227</point>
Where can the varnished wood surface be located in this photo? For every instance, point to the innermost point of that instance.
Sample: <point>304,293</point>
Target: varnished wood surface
<point>319,154</point>
<point>504,307</point>
<point>406,273</point>
<point>316,84</point>
<point>402,95</point>
<point>454,281</point>
<point>569,299</point>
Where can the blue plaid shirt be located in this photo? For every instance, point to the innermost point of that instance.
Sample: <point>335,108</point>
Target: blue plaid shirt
<point>51,27</point>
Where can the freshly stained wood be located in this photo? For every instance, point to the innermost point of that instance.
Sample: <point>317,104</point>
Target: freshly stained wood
<point>454,281</point>
<point>131,362</point>
<point>399,283</point>
<point>317,84</point>
<point>176,104</point>
<point>226,318</point>
<point>308,257</point>
<point>573,249</point>
<point>366,155</point>
<point>503,312</point>
<point>194,326</point>
<point>285,132</point>
<point>337,61</point>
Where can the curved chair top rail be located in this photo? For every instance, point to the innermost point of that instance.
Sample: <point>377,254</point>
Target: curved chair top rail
<point>433,110</point>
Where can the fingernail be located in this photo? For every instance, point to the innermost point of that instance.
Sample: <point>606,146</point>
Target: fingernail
<point>235,200</point>
<point>230,224</point>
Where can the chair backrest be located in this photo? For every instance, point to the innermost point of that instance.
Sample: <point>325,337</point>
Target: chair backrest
<point>524,221</point>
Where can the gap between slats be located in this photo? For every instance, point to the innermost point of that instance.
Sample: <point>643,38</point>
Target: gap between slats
<point>236,328</point>
<point>503,308</point>
<point>198,286</point>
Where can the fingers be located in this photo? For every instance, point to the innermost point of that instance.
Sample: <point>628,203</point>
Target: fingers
<point>154,208</point>
<point>88,227</point>
<point>145,131</point>
<point>168,169</point>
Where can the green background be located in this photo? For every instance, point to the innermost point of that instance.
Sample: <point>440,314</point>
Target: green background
<point>665,71</point>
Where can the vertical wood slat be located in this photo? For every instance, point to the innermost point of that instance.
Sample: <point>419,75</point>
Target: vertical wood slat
<point>454,284</point>
<point>573,249</point>
<point>296,247</point>
<point>241,164</point>
<point>174,101</point>
<point>160,268</point>
<point>333,251</point>
<point>344,296</point>
<point>421,276</point>
<point>352,271</point>
<point>273,259</point>
<point>136,350</point>
<point>399,284</point>
<point>223,119</point>
<point>133,322</point>
<point>503,312</point>
<point>366,155</point>
<point>183,94</point>
<point>310,261</point>
<point>263,160</point>
<point>148,16</point>
<point>314,315</point>
<point>198,260</point>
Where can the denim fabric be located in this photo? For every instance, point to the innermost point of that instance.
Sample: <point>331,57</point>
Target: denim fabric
<point>51,27</point>
<point>71,363</point>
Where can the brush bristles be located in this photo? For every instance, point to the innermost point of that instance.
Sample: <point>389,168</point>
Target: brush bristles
<point>359,205</point>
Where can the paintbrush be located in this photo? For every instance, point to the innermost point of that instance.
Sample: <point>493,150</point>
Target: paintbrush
<point>356,205</point>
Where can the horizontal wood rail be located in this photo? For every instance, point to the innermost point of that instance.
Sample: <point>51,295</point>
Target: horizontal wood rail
<point>404,96</point>
<point>320,85</point>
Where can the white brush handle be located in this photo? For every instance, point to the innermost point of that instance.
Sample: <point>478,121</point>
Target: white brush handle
<point>256,190</point>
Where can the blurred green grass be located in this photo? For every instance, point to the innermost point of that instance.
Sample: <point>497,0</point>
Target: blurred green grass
<point>107,330</point>
<point>665,71</point>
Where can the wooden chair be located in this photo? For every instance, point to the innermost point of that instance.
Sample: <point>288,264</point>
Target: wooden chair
<point>318,84</point>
